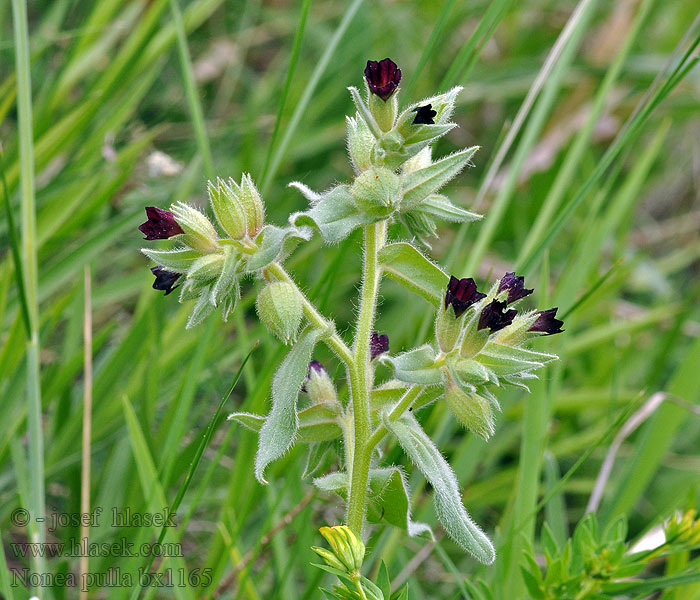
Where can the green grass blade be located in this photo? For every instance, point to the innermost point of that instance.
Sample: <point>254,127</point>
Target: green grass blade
<point>36,500</point>
<point>193,100</point>
<point>575,154</point>
<point>16,250</point>
<point>623,140</point>
<point>309,90</point>
<point>291,69</point>
<point>435,36</point>
<point>555,67</point>
<point>657,437</point>
<point>462,64</point>
<point>5,575</point>
<point>151,487</point>
<point>195,461</point>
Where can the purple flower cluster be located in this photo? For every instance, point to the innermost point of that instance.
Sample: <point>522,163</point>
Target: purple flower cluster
<point>161,225</point>
<point>462,293</point>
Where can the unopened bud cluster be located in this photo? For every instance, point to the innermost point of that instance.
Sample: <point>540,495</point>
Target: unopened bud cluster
<point>347,549</point>
<point>208,267</point>
<point>683,529</point>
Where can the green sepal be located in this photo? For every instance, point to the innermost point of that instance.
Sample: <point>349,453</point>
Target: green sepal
<point>420,184</point>
<point>202,308</point>
<point>226,290</point>
<point>178,259</point>
<point>439,206</point>
<point>415,366</point>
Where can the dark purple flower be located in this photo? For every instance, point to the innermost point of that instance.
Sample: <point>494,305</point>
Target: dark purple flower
<point>547,323</point>
<point>378,344</point>
<point>383,77</point>
<point>461,294</point>
<point>494,317</point>
<point>165,280</point>
<point>161,224</point>
<point>516,287</point>
<point>424,115</point>
<point>316,366</point>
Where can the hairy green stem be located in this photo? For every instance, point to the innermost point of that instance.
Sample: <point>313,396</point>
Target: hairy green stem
<point>401,407</point>
<point>334,341</point>
<point>361,376</point>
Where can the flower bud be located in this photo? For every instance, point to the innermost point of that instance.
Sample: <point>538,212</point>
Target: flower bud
<point>329,558</point>
<point>319,386</point>
<point>348,550</point>
<point>547,322</point>
<point>199,232</point>
<point>225,201</point>
<point>378,344</point>
<point>514,285</point>
<point>279,308</point>
<point>424,115</point>
<point>360,144</point>
<point>495,317</point>
<point>683,529</point>
<point>252,205</point>
<point>471,410</point>
<point>447,327</point>
<point>461,294</point>
<point>377,191</point>
<point>205,268</point>
<point>437,109</point>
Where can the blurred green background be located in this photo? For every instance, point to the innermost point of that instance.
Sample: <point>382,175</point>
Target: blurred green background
<point>549,86</point>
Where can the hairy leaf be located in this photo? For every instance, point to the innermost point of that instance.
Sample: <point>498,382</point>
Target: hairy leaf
<point>318,459</point>
<point>407,265</point>
<point>315,424</point>
<point>389,501</point>
<point>447,499</point>
<point>276,242</point>
<point>420,184</point>
<point>280,429</point>
<point>334,213</point>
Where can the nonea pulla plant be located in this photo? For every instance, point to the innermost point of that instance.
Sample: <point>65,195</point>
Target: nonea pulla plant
<point>479,347</point>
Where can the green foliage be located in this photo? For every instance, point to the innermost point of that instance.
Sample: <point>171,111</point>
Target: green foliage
<point>605,223</point>
<point>596,563</point>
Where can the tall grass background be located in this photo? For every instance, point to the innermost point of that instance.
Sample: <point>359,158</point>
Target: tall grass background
<point>587,118</point>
